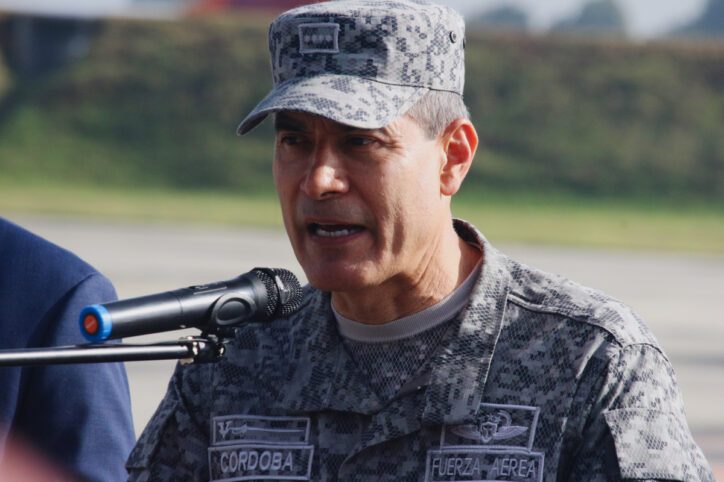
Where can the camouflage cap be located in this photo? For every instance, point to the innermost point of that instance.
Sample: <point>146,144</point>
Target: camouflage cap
<point>361,62</point>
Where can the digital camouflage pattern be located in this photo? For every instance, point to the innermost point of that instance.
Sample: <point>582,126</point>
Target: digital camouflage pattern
<point>539,379</point>
<point>362,62</point>
<point>390,365</point>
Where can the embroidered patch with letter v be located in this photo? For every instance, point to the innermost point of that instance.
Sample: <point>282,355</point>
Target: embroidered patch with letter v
<point>250,447</point>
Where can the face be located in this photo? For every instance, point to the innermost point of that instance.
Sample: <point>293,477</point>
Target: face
<point>361,207</point>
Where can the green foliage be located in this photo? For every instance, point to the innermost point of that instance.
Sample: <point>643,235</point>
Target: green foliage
<point>598,118</point>
<point>5,78</point>
<point>157,103</point>
<point>153,104</point>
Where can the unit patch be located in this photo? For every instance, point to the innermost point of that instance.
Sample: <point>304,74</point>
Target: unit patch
<point>249,447</point>
<point>499,446</point>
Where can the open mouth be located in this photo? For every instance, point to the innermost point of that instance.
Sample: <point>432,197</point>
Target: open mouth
<point>334,230</point>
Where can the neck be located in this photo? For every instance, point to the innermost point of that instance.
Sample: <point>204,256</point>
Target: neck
<point>445,267</point>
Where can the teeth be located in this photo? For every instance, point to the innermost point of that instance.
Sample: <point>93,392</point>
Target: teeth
<point>334,231</point>
<point>332,234</point>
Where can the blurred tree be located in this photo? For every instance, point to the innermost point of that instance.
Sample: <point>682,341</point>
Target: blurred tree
<point>507,17</point>
<point>5,81</point>
<point>37,44</point>
<point>710,22</point>
<point>597,16</point>
<point>157,103</point>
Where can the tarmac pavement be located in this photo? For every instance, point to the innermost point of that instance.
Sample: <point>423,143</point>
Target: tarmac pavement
<point>679,295</point>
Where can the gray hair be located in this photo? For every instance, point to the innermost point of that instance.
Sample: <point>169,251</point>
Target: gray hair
<point>436,109</point>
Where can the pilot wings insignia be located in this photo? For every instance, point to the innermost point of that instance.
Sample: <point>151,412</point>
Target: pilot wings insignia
<point>492,427</point>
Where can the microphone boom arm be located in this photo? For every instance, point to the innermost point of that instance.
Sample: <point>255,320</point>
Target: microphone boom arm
<point>203,349</point>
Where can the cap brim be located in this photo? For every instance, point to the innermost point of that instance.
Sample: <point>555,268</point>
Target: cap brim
<point>354,101</point>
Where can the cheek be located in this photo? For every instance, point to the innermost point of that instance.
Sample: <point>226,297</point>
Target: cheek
<point>285,194</point>
<point>283,180</point>
<point>276,175</point>
<point>418,208</point>
<point>406,191</point>
<point>418,190</point>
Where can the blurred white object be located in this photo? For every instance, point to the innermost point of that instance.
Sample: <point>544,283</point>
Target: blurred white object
<point>96,8</point>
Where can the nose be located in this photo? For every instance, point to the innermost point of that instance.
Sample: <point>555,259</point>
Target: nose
<point>326,177</point>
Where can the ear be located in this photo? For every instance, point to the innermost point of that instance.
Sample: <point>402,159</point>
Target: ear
<point>459,141</point>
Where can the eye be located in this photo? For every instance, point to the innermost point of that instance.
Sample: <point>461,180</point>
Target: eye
<point>359,140</point>
<point>289,139</point>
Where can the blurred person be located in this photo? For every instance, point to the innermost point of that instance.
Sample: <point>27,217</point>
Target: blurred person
<point>420,352</point>
<point>76,416</point>
<point>21,462</point>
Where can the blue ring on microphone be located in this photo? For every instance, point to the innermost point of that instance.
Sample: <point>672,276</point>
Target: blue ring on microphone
<point>100,313</point>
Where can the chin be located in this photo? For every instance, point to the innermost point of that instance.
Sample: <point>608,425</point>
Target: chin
<point>335,279</point>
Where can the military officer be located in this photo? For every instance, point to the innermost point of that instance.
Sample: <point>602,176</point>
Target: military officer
<point>421,353</point>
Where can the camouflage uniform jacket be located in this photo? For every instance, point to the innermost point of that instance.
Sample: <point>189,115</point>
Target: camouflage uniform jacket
<point>537,379</point>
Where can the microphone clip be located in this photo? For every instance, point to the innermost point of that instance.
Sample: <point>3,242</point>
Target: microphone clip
<point>205,349</point>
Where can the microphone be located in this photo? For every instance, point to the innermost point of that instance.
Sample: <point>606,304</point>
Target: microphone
<point>259,295</point>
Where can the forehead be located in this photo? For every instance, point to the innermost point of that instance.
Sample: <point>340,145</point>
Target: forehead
<point>296,120</point>
<point>304,121</point>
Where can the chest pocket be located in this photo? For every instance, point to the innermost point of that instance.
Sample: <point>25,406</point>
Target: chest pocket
<point>650,444</point>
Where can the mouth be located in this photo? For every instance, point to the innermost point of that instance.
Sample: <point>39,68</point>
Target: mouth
<point>328,230</point>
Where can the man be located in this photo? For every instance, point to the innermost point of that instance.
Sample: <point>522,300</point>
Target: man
<point>421,352</point>
<point>76,417</point>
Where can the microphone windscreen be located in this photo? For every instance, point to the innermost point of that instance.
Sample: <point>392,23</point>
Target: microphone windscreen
<point>283,291</point>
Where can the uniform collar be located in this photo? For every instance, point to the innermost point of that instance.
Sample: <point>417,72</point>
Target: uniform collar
<point>461,370</point>
<point>322,376</point>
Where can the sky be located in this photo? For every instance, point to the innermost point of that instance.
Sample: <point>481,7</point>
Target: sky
<point>645,18</point>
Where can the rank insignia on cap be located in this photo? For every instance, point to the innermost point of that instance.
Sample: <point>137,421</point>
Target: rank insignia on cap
<point>319,38</point>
